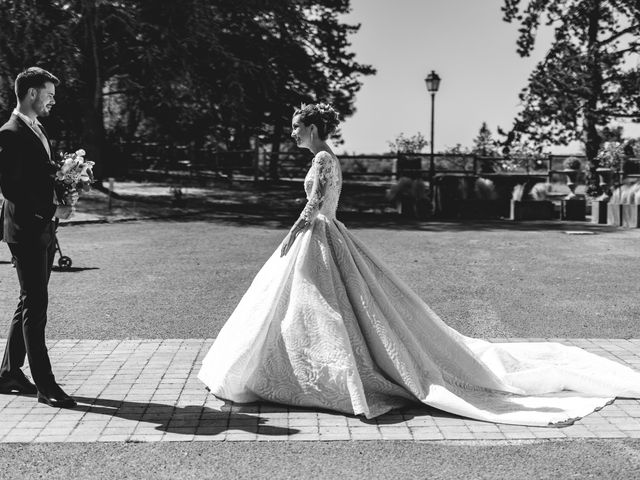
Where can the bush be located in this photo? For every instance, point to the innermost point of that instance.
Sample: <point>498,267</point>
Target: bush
<point>572,163</point>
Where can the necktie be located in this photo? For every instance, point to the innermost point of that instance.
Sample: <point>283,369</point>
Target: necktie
<point>43,139</point>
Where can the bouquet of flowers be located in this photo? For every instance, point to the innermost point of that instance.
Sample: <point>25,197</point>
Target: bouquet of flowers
<point>74,173</point>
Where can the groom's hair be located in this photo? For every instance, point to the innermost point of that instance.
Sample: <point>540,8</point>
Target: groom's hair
<point>33,77</point>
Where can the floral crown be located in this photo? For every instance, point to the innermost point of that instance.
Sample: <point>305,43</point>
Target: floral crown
<point>322,108</point>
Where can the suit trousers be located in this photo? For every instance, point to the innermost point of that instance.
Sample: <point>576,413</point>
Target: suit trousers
<point>26,337</point>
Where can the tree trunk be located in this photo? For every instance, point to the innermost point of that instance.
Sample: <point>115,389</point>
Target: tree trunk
<point>93,134</point>
<point>592,139</point>
<point>274,159</point>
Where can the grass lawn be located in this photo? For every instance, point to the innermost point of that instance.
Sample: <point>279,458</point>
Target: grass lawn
<point>183,278</point>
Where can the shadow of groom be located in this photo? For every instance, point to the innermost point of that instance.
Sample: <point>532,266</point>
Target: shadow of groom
<point>188,420</point>
<point>58,269</point>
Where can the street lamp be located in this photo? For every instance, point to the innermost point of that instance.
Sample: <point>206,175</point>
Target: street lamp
<point>433,83</point>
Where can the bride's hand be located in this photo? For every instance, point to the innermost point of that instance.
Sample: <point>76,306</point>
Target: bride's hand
<point>291,238</point>
<point>288,242</point>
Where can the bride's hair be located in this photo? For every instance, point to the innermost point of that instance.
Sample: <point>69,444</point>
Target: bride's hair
<point>322,115</point>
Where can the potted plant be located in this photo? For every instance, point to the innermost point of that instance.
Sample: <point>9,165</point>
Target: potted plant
<point>483,204</point>
<point>573,206</point>
<point>410,194</point>
<point>532,205</point>
<point>603,209</point>
<point>410,197</point>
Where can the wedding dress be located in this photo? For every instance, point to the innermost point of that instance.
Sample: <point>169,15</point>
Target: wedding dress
<point>329,326</point>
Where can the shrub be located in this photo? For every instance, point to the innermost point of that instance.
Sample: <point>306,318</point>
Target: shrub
<point>572,163</point>
<point>484,189</point>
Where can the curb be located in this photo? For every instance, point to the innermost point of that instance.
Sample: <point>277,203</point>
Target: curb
<point>97,221</point>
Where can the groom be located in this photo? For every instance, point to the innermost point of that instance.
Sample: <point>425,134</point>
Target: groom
<point>28,221</point>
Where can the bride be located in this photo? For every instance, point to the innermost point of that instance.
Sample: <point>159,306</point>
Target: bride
<point>326,324</point>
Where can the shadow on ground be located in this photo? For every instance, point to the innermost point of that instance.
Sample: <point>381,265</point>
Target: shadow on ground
<point>278,205</point>
<point>189,420</point>
<point>72,269</point>
<point>199,420</point>
<point>253,217</point>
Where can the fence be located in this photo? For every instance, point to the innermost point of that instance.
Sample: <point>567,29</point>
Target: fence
<point>383,169</point>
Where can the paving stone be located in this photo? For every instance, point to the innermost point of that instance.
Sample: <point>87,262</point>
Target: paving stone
<point>309,437</point>
<point>365,434</point>
<point>50,439</point>
<point>148,391</point>
<point>334,436</point>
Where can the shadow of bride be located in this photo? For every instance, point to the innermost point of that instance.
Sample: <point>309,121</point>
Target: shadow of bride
<point>188,420</point>
<point>393,417</point>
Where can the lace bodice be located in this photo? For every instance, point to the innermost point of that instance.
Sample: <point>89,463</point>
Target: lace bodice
<point>322,186</point>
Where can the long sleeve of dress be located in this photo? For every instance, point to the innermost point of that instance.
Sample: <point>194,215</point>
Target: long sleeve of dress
<point>321,171</point>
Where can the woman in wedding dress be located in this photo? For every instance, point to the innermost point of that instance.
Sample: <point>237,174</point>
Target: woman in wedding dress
<point>325,324</point>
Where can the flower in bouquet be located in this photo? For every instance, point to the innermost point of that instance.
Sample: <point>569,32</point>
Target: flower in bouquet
<point>75,173</point>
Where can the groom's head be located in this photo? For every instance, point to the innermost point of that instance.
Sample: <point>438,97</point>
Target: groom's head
<point>36,90</point>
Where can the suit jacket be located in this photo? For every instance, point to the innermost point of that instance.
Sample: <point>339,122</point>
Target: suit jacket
<point>27,183</point>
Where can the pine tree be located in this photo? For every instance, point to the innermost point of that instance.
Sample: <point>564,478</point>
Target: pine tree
<point>195,71</point>
<point>484,144</point>
<point>587,78</point>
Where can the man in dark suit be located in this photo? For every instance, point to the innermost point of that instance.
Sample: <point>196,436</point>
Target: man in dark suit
<point>29,217</point>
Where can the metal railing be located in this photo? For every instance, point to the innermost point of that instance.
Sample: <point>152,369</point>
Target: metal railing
<point>254,164</point>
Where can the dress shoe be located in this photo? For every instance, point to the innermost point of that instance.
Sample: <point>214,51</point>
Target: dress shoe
<point>18,384</point>
<point>55,397</point>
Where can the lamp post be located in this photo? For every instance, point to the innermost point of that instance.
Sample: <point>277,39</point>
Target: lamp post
<point>433,83</point>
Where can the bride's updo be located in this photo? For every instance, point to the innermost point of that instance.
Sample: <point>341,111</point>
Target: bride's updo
<point>322,115</point>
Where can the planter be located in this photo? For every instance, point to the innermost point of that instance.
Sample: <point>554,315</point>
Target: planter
<point>605,176</point>
<point>614,214</point>
<point>409,166</point>
<point>599,212</point>
<point>480,209</point>
<point>531,210</point>
<point>408,207</point>
<point>573,210</point>
<point>629,215</point>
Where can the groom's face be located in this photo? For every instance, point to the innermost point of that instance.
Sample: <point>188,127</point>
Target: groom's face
<point>44,99</point>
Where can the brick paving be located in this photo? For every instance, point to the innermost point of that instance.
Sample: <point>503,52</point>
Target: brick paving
<point>147,391</point>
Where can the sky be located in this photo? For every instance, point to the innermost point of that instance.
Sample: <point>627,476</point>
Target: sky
<point>468,45</point>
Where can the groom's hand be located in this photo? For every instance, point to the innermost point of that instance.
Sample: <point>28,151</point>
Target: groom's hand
<point>71,198</point>
<point>64,211</point>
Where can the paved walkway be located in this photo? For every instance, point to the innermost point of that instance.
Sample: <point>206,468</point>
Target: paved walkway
<point>147,391</point>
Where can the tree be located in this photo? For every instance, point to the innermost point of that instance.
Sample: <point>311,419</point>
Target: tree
<point>586,79</point>
<point>484,144</point>
<point>298,53</point>
<point>215,72</point>
<point>269,57</point>
<point>408,144</point>
<point>81,42</point>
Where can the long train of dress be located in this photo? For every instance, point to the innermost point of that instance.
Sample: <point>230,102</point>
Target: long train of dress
<point>330,326</point>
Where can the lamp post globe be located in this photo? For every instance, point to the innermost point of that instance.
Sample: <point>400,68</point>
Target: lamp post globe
<point>433,82</point>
